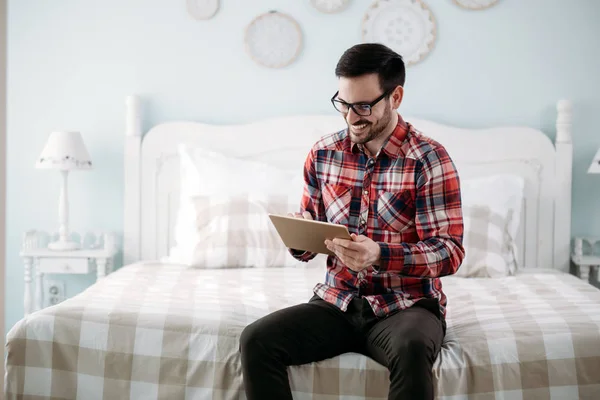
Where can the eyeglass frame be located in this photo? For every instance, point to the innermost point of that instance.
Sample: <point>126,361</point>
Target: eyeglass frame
<point>351,105</point>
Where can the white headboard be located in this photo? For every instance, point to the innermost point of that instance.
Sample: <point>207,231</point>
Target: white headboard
<point>152,169</point>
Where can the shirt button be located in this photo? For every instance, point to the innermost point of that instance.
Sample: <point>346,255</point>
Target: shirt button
<point>366,192</point>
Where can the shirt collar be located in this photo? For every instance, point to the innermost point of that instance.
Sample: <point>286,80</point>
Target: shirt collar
<point>392,147</point>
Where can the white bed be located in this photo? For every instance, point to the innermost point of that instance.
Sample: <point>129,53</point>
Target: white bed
<point>160,330</point>
<point>152,167</point>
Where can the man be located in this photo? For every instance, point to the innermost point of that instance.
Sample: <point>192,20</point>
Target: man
<point>398,192</point>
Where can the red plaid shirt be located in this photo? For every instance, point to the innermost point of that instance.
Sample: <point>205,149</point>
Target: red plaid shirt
<point>406,198</point>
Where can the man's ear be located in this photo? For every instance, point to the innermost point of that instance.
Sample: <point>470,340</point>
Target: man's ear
<point>397,96</point>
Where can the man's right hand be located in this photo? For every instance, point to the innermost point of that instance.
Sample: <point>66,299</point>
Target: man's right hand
<point>304,215</point>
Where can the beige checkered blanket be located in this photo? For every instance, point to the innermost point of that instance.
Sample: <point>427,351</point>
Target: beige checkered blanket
<point>155,331</point>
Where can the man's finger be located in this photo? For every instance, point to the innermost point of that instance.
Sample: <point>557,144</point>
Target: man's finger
<point>307,215</point>
<point>346,253</point>
<point>341,242</point>
<point>348,260</point>
<point>333,245</point>
<point>349,244</point>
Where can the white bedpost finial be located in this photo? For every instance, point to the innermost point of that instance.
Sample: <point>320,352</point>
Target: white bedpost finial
<point>563,185</point>
<point>134,116</point>
<point>132,169</point>
<point>563,121</point>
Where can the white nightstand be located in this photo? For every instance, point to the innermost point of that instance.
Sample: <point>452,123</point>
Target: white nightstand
<point>586,262</point>
<point>96,257</point>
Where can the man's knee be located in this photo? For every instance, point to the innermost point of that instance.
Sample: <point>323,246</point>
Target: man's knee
<point>411,348</point>
<point>252,337</point>
<point>258,338</point>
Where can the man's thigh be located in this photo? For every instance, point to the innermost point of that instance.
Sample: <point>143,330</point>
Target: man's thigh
<point>303,333</point>
<point>415,331</point>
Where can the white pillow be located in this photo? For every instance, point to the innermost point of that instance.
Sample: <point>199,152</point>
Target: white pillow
<point>491,214</point>
<point>234,231</point>
<point>224,202</point>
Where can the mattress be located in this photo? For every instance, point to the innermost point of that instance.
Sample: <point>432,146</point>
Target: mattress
<point>159,331</point>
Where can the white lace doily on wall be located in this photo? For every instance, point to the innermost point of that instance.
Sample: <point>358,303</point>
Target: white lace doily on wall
<point>405,26</point>
<point>475,4</point>
<point>329,6</point>
<point>202,9</point>
<point>273,39</point>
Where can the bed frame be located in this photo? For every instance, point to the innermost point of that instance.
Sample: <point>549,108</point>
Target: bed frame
<point>151,172</point>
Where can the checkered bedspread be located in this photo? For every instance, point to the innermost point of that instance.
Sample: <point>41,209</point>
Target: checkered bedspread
<point>157,331</point>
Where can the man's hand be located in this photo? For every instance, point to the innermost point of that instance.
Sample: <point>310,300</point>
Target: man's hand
<point>357,254</point>
<point>305,215</point>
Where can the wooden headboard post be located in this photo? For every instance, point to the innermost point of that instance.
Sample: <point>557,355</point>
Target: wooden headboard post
<point>132,163</point>
<point>564,177</point>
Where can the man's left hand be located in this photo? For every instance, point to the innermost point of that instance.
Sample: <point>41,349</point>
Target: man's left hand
<point>357,254</point>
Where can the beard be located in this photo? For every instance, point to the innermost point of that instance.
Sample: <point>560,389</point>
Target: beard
<point>371,131</point>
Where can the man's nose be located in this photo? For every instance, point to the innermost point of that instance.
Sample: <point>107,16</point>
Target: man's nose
<point>352,117</point>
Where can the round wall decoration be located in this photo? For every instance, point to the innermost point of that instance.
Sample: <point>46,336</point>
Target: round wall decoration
<point>405,26</point>
<point>329,6</point>
<point>273,39</point>
<point>202,9</point>
<point>475,4</point>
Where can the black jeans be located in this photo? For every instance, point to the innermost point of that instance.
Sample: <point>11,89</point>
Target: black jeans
<point>407,343</point>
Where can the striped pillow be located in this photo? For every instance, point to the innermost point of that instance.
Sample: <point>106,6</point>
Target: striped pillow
<point>234,231</point>
<point>487,243</point>
<point>491,215</point>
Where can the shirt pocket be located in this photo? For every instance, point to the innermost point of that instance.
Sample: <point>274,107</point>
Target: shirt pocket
<point>336,201</point>
<point>396,210</point>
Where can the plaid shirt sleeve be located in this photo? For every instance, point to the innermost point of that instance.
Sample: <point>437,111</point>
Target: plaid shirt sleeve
<point>439,224</point>
<point>311,202</point>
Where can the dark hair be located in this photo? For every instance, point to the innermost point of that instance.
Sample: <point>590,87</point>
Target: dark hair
<point>368,58</point>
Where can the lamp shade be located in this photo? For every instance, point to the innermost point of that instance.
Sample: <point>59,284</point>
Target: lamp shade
<point>595,166</point>
<point>64,151</point>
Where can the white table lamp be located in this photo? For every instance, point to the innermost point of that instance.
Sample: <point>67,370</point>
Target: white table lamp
<point>64,151</point>
<point>595,166</point>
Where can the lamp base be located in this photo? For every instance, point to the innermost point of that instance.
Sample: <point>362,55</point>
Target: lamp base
<point>63,246</point>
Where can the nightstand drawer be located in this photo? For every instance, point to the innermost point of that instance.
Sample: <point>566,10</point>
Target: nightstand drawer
<point>63,265</point>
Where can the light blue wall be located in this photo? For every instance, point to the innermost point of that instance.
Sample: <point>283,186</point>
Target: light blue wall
<point>71,63</point>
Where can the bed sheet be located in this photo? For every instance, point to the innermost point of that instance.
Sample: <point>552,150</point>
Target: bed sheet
<point>155,331</point>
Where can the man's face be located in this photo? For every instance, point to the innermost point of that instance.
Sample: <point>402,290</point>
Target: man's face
<point>365,89</point>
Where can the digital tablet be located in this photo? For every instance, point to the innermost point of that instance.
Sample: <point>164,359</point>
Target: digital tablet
<point>307,235</point>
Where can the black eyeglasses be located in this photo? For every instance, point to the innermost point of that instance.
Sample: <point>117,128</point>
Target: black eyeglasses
<point>363,109</point>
